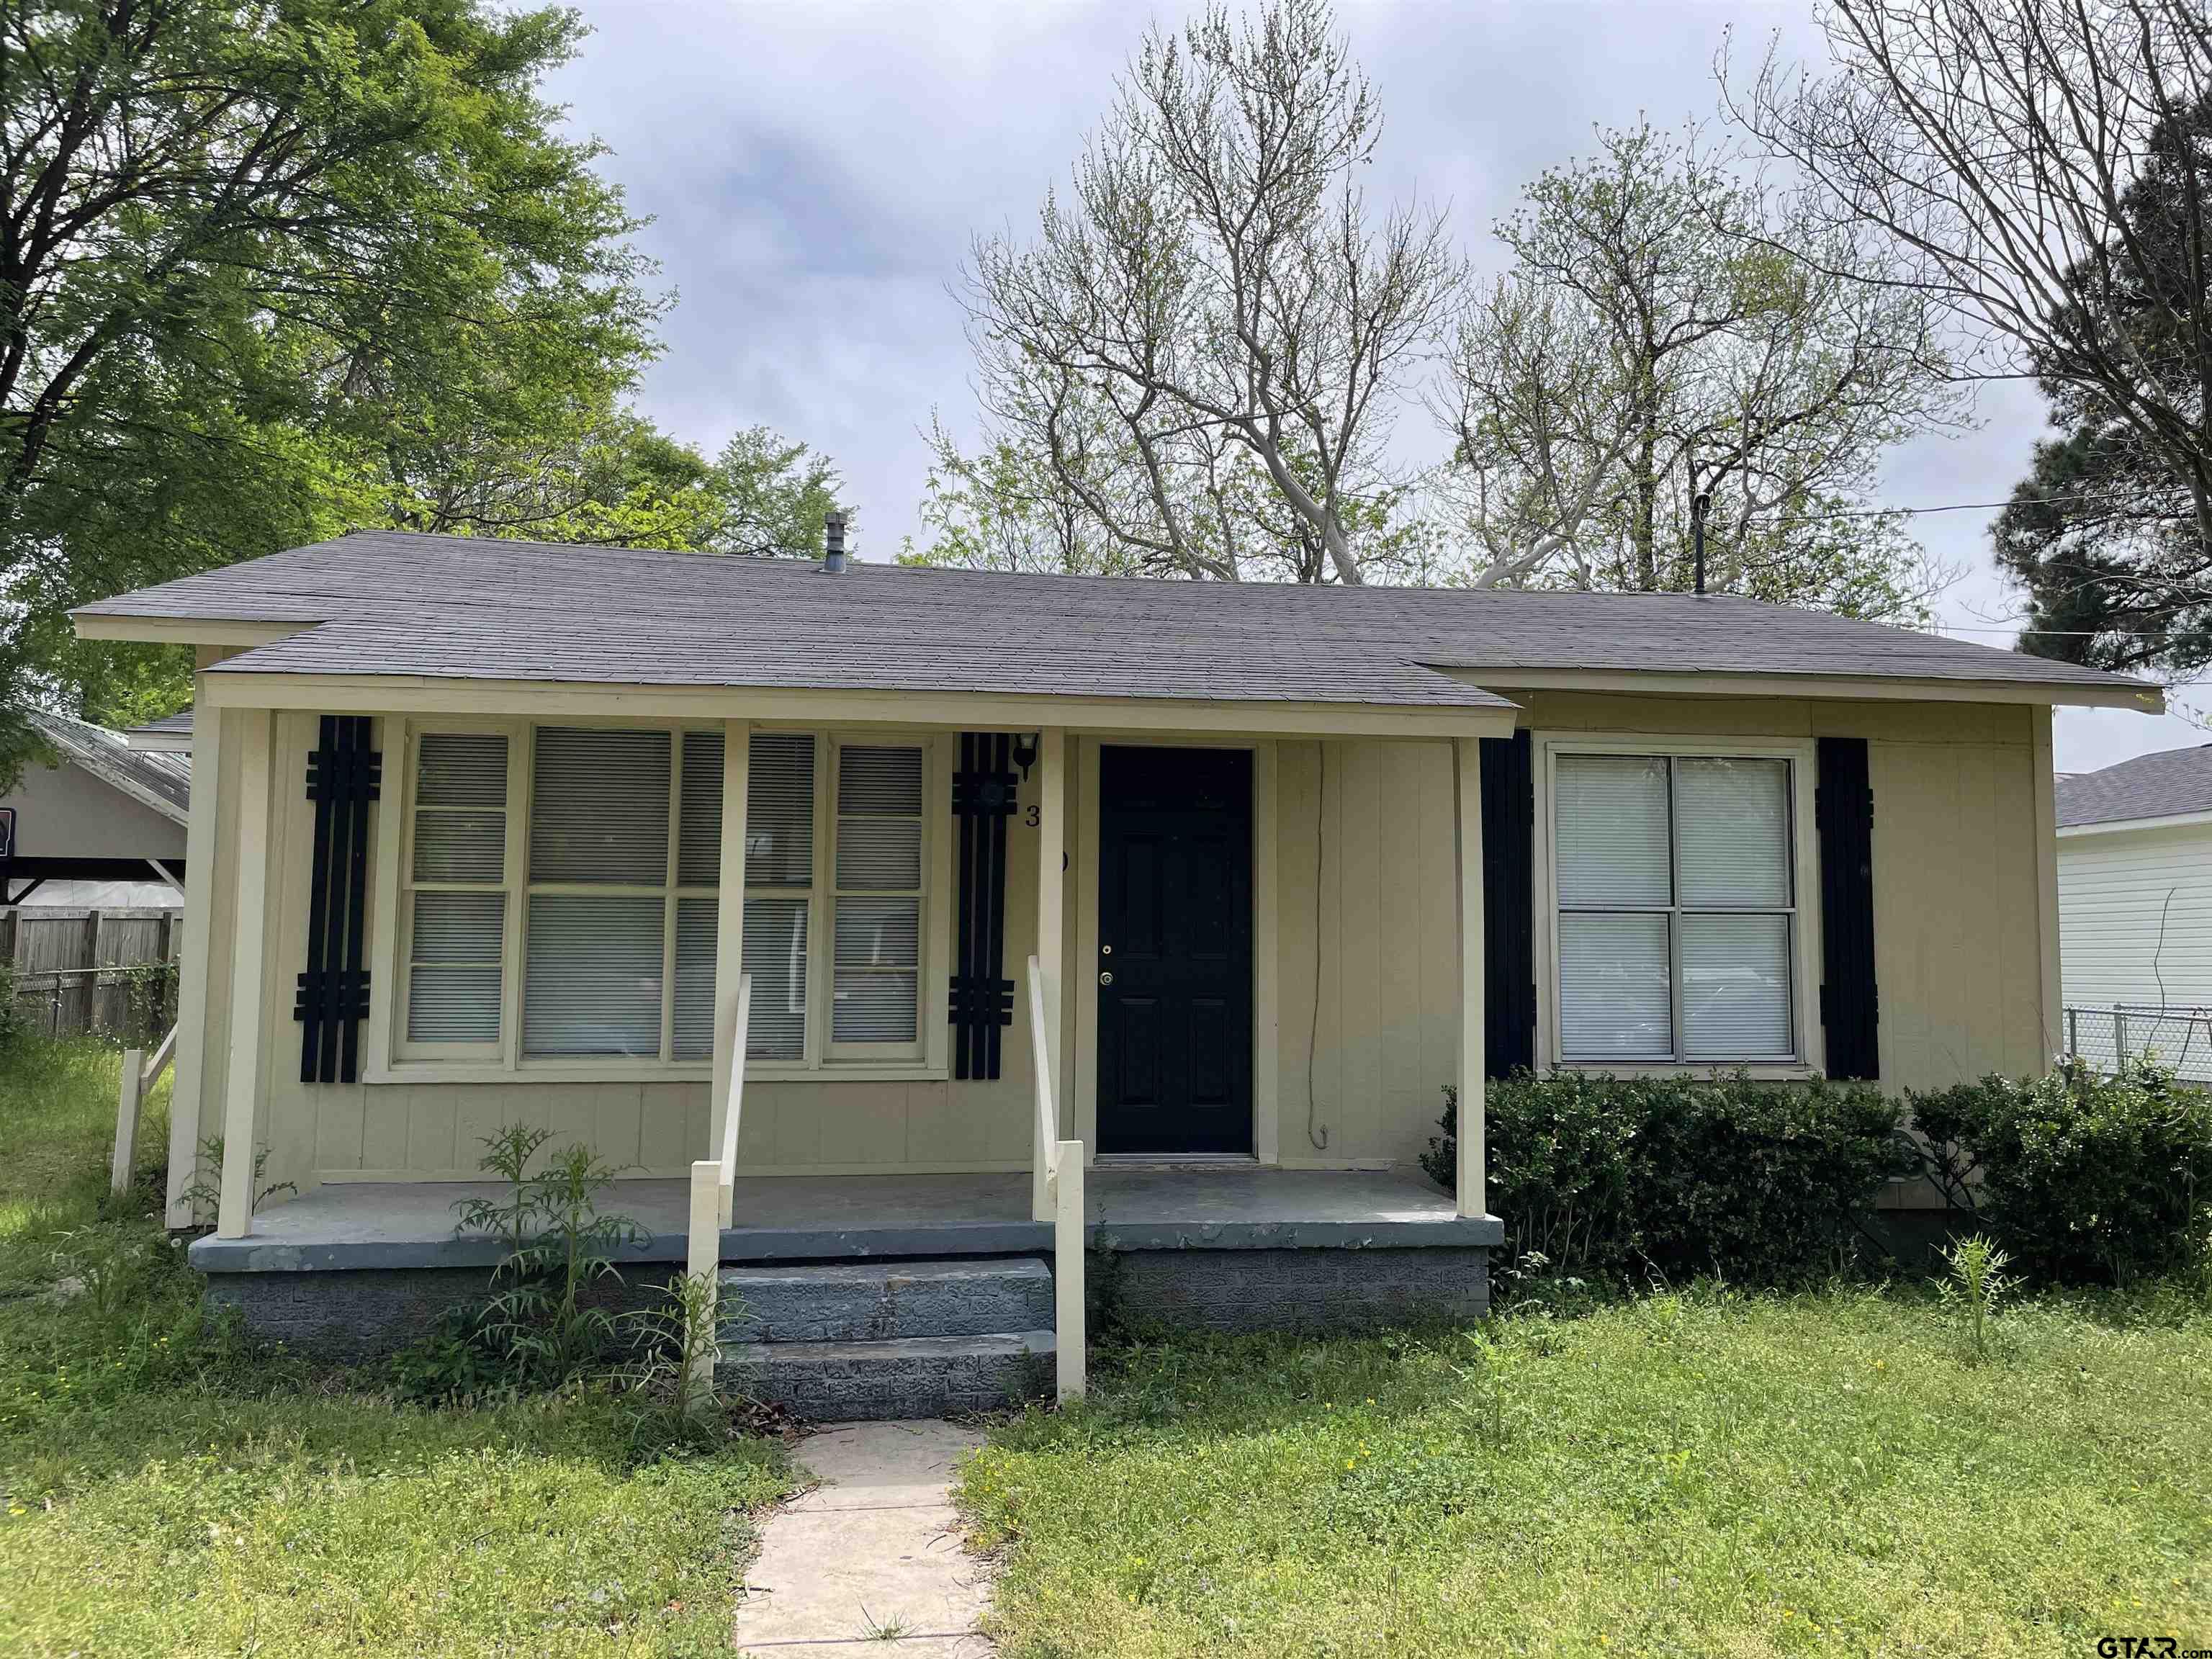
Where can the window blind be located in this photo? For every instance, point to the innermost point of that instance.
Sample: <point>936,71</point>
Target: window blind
<point>453,982</point>
<point>699,812</point>
<point>1612,828</point>
<point>1734,833</point>
<point>691,1035</point>
<point>775,956</point>
<point>1735,987</point>
<point>780,811</point>
<point>598,806</point>
<point>876,968</point>
<point>1615,987</point>
<point>591,975</point>
<point>457,938</point>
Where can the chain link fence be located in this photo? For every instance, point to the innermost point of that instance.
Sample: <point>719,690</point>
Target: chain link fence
<point>2178,1037</point>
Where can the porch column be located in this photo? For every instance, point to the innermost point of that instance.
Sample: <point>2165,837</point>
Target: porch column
<point>248,991</point>
<point>1051,925</point>
<point>1466,766</point>
<point>729,925</point>
<point>196,960</point>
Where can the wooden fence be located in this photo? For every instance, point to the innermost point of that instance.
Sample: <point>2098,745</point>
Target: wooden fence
<point>110,971</point>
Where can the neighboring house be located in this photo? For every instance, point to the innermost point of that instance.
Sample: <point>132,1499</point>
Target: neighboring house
<point>2134,904</point>
<point>1293,859</point>
<point>89,825</point>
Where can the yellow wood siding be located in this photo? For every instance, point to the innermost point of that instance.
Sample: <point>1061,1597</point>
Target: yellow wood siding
<point>1957,929</point>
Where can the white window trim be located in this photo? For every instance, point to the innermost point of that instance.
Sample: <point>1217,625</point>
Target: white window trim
<point>389,1058</point>
<point>1805,965</point>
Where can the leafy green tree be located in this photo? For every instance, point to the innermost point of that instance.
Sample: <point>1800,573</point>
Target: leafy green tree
<point>1651,344</point>
<point>770,497</point>
<point>2104,532</point>
<point>272,268</point>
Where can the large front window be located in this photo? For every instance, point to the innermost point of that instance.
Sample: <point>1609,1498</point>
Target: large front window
<point>1675,933</point>
<point>561,896</point>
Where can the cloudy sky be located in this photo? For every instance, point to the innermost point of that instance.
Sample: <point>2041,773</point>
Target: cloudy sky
<point>815,169</point>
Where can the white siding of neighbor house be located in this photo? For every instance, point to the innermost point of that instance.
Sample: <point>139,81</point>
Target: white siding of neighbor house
<point>2135,916</point>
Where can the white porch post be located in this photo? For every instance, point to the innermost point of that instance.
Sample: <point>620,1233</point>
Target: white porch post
<point>196,961</point>
<point>242,1087</point>
<point>1472,1172</point>
<point>729,925</point>
<point>1051,923</point>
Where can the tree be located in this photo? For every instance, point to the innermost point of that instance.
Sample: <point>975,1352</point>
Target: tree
<point>769,497</point>
<point>1199,352</point>
<point>2102,534</point>
<point>269,268</point>
<point>1649,345</point>
<point>1994,149</point>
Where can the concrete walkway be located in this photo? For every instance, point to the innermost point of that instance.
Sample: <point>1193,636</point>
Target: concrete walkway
<point>870,1560</point>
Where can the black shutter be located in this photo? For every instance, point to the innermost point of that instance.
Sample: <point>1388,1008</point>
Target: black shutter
<point>1508,912</point>
<point>980,1002</point>
<point>343,774</point>
<point>1850,1002</point>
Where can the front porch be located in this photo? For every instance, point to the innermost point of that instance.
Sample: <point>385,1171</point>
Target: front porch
<point>390,1225</point>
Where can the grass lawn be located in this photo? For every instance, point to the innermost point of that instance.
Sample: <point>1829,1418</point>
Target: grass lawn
<point>164,1492</point>
<point>1703,1474</point>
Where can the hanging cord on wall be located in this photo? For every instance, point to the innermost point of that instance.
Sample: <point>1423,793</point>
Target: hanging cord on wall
<point>1318,1137</point>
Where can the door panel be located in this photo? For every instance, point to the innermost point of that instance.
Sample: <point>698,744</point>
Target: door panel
<point>1174,959</point>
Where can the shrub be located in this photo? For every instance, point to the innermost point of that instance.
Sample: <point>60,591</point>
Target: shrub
<point>1676,1175</point>
<point>2079,1176</point>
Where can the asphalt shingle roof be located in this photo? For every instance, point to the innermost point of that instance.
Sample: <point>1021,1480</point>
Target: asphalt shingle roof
<point>390,603</point>
<point>2162,786</point>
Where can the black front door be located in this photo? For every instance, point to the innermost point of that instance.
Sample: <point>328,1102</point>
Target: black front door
<point>1175,949</point>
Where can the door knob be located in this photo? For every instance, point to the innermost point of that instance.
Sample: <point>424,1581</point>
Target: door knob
<point>1105,979</point>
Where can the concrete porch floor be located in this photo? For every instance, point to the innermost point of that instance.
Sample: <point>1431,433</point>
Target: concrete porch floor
<point>390,1224</point>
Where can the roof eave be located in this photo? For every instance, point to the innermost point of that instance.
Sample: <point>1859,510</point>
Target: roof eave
<point>1705,683</point>
<point>231,687</point>
<point>2113,826</point>
<point>147,629</point>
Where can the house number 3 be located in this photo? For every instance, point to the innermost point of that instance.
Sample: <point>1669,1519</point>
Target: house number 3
<point>1035,816</point>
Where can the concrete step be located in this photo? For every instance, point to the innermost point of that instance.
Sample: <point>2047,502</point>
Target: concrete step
<point>893,1377</point>
<point>876,1301</point>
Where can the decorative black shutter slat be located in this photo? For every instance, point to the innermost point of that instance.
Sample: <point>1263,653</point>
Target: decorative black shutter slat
<point>1509,916</point>
<point>1851,1001</point>
<point>981,1000</point>
<point>344,775</point>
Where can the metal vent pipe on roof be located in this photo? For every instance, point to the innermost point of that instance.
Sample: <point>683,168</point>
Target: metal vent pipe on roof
<point>833,542</point>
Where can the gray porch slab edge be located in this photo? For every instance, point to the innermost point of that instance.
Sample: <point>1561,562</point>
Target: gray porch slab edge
<point>369,1226</point>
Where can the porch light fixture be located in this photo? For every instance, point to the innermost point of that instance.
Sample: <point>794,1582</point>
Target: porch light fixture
<point>1025,751</point>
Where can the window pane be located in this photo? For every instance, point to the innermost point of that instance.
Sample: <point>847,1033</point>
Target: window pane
<point>775,956</point>
<point>1735,832</point>
<point>1612,831</point>
<point>878,933</point>
<point>699,822</point>
<point>453,982</point>
<point>460,845</point>
<point>1735,987</point>
<point>453,1003</point>
<point>592,977</point>
<point>780,811</point>
<point>693,1037</point>
<point>460,768</point>
<point>879,778</point>
<point>1613,988</point>
<point>598,806</point>
<point>875,1008</point>
<point>458,927</point>
<point>870,1005</point>
<point>879,853</point>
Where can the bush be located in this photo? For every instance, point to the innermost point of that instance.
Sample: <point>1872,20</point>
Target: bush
<point>1761,1183</point>
<point>2079,1176</point>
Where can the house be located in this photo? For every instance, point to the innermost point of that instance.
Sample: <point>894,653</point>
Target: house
<point>2134,907</point>
<point>99,825</point>
<point>1141,917</point>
